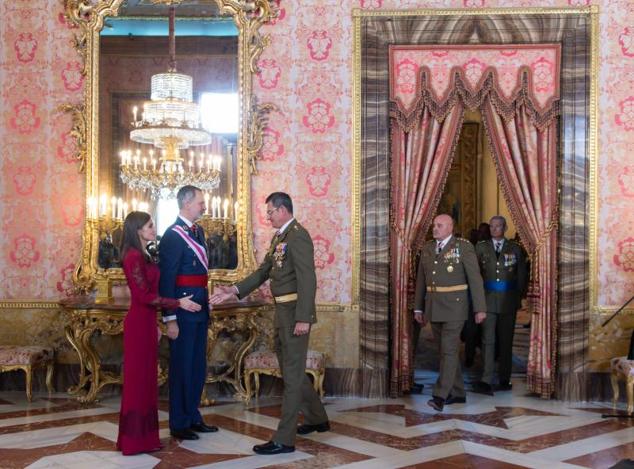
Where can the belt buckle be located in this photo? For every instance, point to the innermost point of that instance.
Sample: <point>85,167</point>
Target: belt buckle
<point>434,288</point>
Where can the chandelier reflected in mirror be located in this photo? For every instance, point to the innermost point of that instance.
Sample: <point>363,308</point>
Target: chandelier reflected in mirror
<point>169,122</point>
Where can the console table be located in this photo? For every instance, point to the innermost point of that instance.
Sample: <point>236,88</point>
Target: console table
<point>85,318</point>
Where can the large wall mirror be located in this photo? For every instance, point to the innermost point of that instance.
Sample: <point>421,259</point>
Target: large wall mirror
<point>168,103</point>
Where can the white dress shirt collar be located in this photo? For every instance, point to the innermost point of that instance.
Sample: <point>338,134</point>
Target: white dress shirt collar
<point>284,226</point>
<point>498,242</point>
<point>444,242</point>
<point>187,222</point>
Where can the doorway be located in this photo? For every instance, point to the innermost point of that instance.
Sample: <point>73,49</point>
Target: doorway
<point>472,195</point>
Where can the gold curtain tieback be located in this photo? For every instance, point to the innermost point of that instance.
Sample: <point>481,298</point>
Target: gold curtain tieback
<point>286,298</point>
<point>434,288</point>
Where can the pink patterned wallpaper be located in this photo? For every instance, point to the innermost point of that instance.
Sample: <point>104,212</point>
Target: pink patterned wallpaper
<point>307,73</point>
<point>41,191</point>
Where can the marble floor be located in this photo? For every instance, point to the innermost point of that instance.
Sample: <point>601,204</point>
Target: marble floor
<point>509,430</point>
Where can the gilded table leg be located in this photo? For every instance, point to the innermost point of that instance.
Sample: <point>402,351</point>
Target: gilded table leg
<point>241,392</point>
<point>322,375</point>
<point>50,366</point>
<point>212,338</point>
<point>630,394</point>
<point>247,385</point>
<point>256,379</point>
<point>93,365</point>
<point>71,336</point>
<point>28,370</point>
<point>614,380</point>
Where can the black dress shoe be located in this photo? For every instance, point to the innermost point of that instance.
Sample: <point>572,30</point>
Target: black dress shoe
<point>320,427</point>
<point>504,386</point>
<point>417,388</point>
<point>483,388</point>
<point>184,434</point>
<point>202,427</point>
<point>436,403</point>
<point>273,448</point>
<point>455,400</point>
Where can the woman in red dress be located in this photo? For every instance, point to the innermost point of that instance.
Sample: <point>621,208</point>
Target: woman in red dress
<point>138,419</point>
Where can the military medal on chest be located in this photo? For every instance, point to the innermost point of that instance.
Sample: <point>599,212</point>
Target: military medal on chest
<point>510,260</point>
<point>279,254</point>
<point>452,257</point>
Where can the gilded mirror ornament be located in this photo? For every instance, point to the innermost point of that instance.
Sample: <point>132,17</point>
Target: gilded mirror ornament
<point>229,220</point>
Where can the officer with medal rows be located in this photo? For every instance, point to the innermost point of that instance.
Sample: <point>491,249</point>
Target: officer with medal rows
<point>290,265</point>
<point>503,267</point>
<point>448,274</point>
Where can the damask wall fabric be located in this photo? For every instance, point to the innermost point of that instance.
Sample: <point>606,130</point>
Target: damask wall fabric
<point>307,73</point>
<point>41,190</point>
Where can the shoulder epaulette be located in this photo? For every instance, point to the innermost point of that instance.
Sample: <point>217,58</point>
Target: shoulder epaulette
<point>481,241</point>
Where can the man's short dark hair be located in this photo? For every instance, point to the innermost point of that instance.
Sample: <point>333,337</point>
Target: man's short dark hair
<point>279,199</point>
<point>185,194</point>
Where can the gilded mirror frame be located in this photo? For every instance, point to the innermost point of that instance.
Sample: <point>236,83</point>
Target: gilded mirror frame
<point>88,16</point>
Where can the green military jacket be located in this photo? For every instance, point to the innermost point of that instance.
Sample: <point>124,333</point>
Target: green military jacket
<point>455,266</point>
<point>505,276</point>
<point>290,264</point>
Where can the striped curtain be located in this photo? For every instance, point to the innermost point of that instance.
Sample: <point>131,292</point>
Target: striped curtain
<point>421,158</point>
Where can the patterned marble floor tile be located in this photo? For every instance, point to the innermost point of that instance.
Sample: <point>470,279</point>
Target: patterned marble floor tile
<point>509,430</point>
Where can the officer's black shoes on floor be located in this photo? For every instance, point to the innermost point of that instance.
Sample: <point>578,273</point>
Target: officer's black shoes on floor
<point>504,386</point>
<point>455,400</point>
<point>272,448</point>
<point>483,388</point>
<point>184,434</point>
<point>436,403</point>
<point>320,427</point>
<point>202,427</point>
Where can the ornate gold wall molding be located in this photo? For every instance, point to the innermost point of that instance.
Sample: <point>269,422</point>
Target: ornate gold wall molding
<point>28,304</point>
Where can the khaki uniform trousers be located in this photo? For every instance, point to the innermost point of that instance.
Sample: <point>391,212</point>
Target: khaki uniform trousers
<point>498,328</point>
<point>299,394</point>
<point>447,335</point>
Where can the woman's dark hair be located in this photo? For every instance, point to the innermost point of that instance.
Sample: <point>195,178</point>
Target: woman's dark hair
<point>130,239</point>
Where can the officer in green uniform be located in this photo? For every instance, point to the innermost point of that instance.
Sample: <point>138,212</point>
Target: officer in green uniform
<point>290,265</point>
<point>447,274</point>
<point>503,268</point>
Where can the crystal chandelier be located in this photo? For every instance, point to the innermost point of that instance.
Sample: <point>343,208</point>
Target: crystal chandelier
<point>170,122</point>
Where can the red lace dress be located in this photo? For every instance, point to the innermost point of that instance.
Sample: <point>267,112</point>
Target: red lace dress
<point>138,419</point>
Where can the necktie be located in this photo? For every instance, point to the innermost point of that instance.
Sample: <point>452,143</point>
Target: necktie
<point>194,229</point>
<point>498,247</point>
<point>439,247</point>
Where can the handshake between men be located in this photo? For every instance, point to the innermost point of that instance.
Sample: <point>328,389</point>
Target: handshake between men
<point>223,294</point>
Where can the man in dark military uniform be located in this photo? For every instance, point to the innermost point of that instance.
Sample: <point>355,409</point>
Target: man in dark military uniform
<point>447,274</point>
<point>183,262</point>
<point>290,265</point>
<point>503,268</point>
